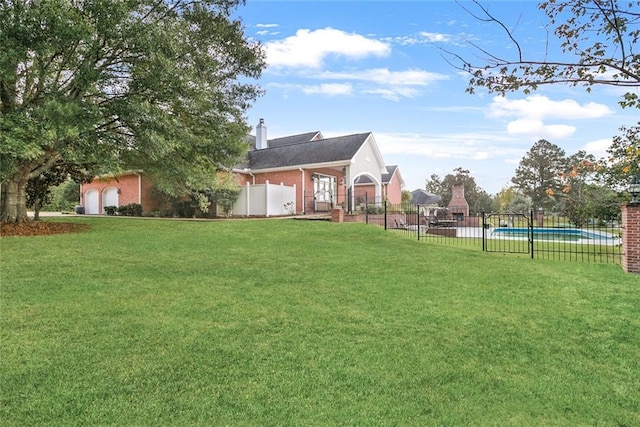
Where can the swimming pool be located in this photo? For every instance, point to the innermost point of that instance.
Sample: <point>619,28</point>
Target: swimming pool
<point>575,235</point>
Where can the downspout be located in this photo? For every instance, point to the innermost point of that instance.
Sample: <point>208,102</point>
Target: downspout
<point>302,190</point>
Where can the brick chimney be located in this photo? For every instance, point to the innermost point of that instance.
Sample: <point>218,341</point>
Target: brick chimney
<point>458,205</point>
<point>261,136</point>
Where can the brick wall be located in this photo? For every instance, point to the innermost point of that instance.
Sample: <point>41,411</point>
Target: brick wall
<point>393,190</point>
<point>294,177</point>
<point>368,190</point>
<point>631,238</point>
<point>129,186</point>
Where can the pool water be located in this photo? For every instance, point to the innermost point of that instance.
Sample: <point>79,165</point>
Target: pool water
<point>556,234</point>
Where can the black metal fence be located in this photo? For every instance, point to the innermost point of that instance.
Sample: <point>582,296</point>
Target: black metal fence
<point>532,233</point>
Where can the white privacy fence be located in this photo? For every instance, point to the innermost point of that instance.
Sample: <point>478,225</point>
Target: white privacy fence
<point>265,200</point>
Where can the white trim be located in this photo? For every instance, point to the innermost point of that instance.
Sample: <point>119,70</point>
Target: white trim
<point>340,163</point>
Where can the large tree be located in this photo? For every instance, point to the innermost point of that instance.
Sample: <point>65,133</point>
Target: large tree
<point>623,160</point>
<point>538,175</point>
<point>598,47</point>
<point>159,85</point>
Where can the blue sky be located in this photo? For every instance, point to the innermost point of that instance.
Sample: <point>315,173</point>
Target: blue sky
<point>343,67</point>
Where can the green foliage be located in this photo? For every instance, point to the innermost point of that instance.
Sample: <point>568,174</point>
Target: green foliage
<point>161,86</point>
<point>111,210</point>
<point>201,201</point>
<point>132,209</point>
<point>64,197</point>
<point>623,159</point>
<point>183,209</point>
<point>538,174</point>
<point>39,189</point>
<point>375,209</point>
<point>591,202</point>
<point>165,331</point>
<point>519,204</point>
<point>226,197</point>
<point>598,48</point>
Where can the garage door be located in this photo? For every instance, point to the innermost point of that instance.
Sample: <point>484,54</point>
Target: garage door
<point>109,197</point>
<point>91,202</point>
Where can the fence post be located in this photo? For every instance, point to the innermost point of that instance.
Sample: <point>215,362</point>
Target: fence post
<point>366,208</point>
<point>295,199</point>
<point>530,233</point>
<point>385,214</point>
<point>248,199</point>
<point>631,238</point>
<point>484,232</point>
<point>418,220</point>
<point>266,198</point>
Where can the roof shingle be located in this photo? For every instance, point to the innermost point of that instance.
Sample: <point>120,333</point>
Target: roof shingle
<point>328,150</point>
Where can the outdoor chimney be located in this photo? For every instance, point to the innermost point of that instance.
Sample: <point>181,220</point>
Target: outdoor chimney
<point>261,136</point>
<point>458,206</point>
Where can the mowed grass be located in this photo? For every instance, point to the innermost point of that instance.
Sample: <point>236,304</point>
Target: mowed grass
<point>283,322</point>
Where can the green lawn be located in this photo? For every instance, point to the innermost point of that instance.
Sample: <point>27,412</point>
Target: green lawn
<point>282,322</point>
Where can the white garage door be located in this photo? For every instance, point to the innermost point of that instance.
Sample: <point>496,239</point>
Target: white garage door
<point>91,202</point>
<point>109,197</point>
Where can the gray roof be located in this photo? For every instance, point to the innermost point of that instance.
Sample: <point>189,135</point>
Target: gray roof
<point>386,177</point>
<point>422,197</point>
<point>285,140</point>
<point>293,139</point>
<point>341,148</point>
<point>363,180</point>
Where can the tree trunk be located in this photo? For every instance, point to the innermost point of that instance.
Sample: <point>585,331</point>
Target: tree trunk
<point>36,209</point>
<point>13,199</point>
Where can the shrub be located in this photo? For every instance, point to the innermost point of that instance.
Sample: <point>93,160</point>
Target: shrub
<point>183,209</point>
<point>375,209</point>
<point>225,198</point>
<point>111,210</point>
<point>132,209</point>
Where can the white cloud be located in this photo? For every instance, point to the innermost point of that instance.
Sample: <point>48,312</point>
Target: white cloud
<point>391,85</point>
<point>422,38</point>
<point>435,37</point>
<point>541,107</point>
<point>464,146</point>
<point>331,89</point>
<point>386,76</point>
<point>393,93</point>
<point>530,115</point>
<point>598,147</point>
<point>539,129</point>
<point>310,48</point>
<point>267,25</point>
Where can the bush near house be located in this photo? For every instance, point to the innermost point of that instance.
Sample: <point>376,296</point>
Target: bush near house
<point>132,209</point>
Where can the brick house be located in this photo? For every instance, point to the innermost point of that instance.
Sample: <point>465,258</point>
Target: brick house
<point>325,172</point>
<point>129,187</point>
<point>392,185</point>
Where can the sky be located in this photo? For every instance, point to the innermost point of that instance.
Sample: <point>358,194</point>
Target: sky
<point>345,67</point>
